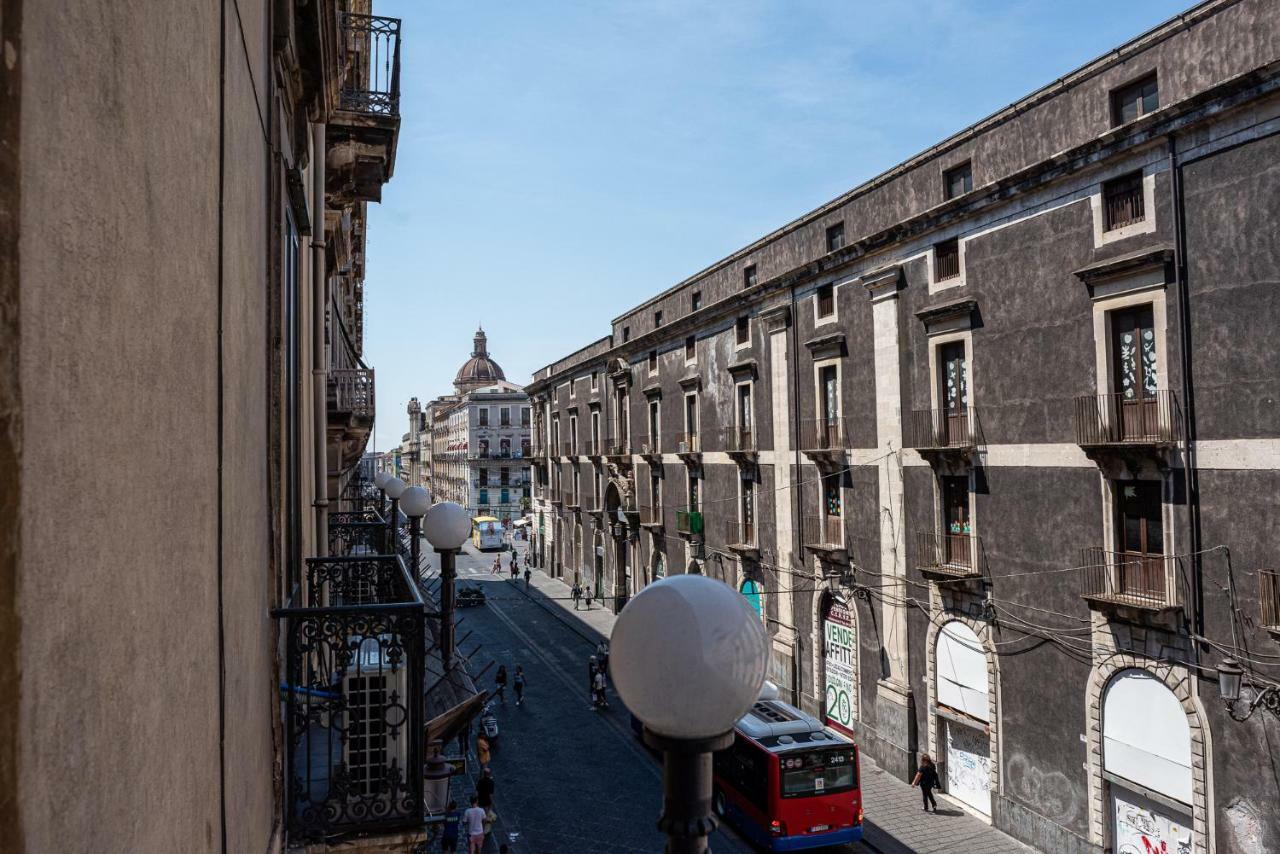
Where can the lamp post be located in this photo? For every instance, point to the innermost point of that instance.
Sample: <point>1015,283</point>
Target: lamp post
<point>446,527</point>
<point>681,632</point>
<point>380,480</point>
<point>395,488</point>
<point>1230,677</point>
<point>415,502</point>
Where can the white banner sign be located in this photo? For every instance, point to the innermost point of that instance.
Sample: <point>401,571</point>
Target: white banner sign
<point>841,647</point>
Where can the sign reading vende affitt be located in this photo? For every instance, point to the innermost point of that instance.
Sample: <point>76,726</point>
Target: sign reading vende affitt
<point>839,658</point>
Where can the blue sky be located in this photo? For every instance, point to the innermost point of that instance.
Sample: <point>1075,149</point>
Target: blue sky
<point>562,161</point>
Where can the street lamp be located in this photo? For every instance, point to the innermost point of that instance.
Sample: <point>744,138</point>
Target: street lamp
<point>415,502</point>
<point>380,480</point>
<point>688,657</point>
<point>1230,677</point>
<point>446,527</point>
<point>395,488</point>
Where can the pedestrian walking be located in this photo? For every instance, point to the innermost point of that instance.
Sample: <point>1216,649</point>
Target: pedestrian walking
<point>518,684</point>
<point>497,565</point>
<point>514,572</point>
<point>593,666</point>
<point>500,683</point>
<point>485,787</point>
<point>482,749</point>
<point>452,823</point>
<point>528,574</point>
<point>588,596</point>
<point>601,701</point>
<point>473,820</point>
<point>577,596</point>
<point>602,655</point>
<point>927,779</point>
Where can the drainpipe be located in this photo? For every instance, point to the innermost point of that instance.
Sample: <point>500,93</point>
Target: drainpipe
<point>1188,389</point>
<point>797,494</point>
<point>319,366</point>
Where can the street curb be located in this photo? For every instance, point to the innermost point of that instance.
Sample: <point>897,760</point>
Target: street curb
<point>582,630</point>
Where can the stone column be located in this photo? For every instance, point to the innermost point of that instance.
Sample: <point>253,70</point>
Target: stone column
<point>776,323</point>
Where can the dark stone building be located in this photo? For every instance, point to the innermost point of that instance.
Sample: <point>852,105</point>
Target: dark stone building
<point>993,441</point>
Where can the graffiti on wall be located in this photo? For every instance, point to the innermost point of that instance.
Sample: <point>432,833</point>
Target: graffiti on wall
<point>1143,829</point>
<point>1049,793</point>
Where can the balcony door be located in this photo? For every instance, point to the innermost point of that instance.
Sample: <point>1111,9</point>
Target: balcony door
<point>829,388</point>
<point>954,393</point>
<point>744,416</point>
<point>956,530</point>
<point>1140,570</point>
<point>1133,352</point>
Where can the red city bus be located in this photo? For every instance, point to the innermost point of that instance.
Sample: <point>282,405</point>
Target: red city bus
<point>788,783</point>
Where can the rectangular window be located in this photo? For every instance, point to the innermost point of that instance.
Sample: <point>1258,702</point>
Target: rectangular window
<point>595,380</point>
<point>484,496</point>
<point>829,383</point>
<point>691,415</point>
<point>506,497</point>
<point>690,348</point>
<point>749,276</point>
<point>1141,527</point>
<point>835,237</point>
<point>657,319</point>
<point>1122,201</point>
<point>595,432</point>
<point>624,419</point>
<point>826,301</point>
<point>748,511</point>
<point>946,260</point>
<point>626,334</point>
<point>524,416</point>
<point>958,180</point>
<point>484,477</point>
<point>504,417</point>
<point>653,424</point>
<point>504,476</point>
<point>653,361</point>
<point>744,407</point>
<point>1134,100</point>
<point>695,301</point>
<point>693,491</point>
<point>599,487</point>
<point>484,416</point>
<point>832,500</point>
<point>655,491</point>
<point>742,331</point>
<point>573,388</point>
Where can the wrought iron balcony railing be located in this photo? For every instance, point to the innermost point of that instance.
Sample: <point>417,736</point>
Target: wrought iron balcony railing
<point>940,429</point>
<point>371,51</point>
<point>1269,598</point>
<point>688,522</point>
<point>647,445</point>
<point>739,533</point>
<point>949,555</point>
<point>351,391</point>
<point>355,648</point>
<point>823,532</point>
<point>358,534</point>
<point>1144,581</point>
<point>687,442</point>
<point>650,514</point>
<point>620,447</point>
<point>1119,419</point>
<point>822,434</point>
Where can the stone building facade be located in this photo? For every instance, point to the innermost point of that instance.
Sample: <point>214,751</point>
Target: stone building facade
<point>473,446</point>
<point>994,440</point>
<point>183,193</point>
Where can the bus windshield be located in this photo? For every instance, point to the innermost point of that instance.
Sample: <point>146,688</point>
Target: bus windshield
<point>818,773</point>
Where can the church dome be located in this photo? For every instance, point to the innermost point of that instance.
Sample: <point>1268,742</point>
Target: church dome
<point>479,369</point>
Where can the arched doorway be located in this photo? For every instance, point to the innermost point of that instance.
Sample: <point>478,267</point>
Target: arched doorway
<point>839,664</point>
<point>754,594</point>
<point>964,715</point>
<point>658,568</point>
<point>1146,765</point>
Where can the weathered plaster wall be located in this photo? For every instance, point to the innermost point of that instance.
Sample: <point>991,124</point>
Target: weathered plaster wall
<point>120,474</point>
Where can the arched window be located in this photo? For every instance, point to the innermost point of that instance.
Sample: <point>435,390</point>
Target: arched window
<point>754,594</point>
<point>659,565</point>
<point>1146,745</point>
<point>964,711</point>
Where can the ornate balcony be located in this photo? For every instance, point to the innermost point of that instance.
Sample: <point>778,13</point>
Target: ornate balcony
<point>355,658</point>
<point>688,446</point>
<point>361,134</point>
<point>949,557</point>
<point>649,447</point>
<point>740,537</point>
<point>350,411</point>
<point>740,444</point>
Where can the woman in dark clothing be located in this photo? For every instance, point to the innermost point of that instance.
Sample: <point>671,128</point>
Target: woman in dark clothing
<point>927,779</point>
<point>500,683</point>
<point>484,789</point>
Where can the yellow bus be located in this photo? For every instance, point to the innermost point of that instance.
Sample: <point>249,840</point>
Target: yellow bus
<point>486,533</point>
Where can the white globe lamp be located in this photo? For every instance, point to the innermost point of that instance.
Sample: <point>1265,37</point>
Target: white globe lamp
<point>395,487</point>
<point>415,501</point>
<point>447,526</point>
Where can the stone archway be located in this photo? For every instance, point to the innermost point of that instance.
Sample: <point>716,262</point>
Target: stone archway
<point>939,620</point>
<point>1179,681</point>
<point>836,595</point>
